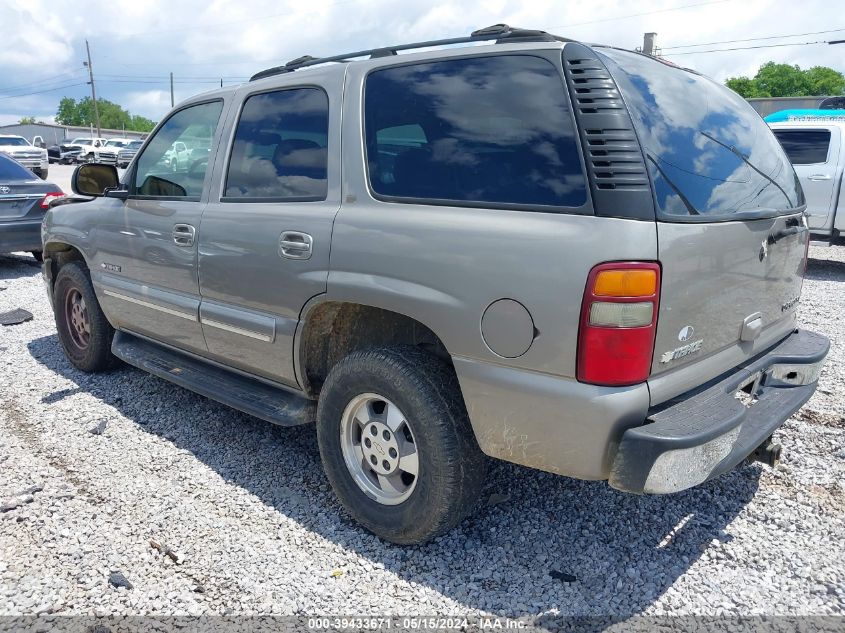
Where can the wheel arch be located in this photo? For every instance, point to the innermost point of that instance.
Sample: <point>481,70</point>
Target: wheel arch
<point>56,254</point>
<point>330,330</point>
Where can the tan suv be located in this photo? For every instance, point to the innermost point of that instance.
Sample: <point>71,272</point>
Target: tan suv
<point>576,258</point>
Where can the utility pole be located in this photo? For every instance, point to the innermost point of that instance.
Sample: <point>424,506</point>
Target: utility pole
<point>171,90</point>
<point>93,91</point>
<point>649,43</point>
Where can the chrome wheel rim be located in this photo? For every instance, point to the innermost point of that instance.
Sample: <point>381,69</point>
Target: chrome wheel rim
<point>77,319</point>
<point>379,448</point>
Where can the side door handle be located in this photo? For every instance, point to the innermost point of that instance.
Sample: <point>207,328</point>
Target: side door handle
<point>296,245</point>
<point>184,235</point>
<point>820,177</point>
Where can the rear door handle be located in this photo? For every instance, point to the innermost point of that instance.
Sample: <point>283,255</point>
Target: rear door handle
<point>296,245</point>
<point>820,177</point>
<point>184,235</point>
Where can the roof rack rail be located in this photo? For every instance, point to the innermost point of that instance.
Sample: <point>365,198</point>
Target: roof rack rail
<point>502,33</point>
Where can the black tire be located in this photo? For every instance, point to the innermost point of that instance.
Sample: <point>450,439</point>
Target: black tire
<point>451,465</point>
<point>96,356</point>
<point>38,255</point>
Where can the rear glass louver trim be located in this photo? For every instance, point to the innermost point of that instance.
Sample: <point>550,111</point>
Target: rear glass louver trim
<point>615,166</point>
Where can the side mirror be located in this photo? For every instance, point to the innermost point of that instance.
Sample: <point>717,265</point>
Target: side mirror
<point>92,179</point>
<point>42,145</point>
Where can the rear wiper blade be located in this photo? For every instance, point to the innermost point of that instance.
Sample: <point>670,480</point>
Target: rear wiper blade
<point>733,150</point>
<point>692,210</point>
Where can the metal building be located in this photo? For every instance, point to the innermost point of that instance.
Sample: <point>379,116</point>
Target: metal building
<point>53,134</point>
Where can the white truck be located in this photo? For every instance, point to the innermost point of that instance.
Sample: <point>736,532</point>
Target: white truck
<point>31,157</point>
<point>815,147</point>
<point>88,148</point>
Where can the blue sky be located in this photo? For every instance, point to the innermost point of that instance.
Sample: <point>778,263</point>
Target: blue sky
<point>136,44</point>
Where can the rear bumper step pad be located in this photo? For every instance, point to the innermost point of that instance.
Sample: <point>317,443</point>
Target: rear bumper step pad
<point>701,435</point>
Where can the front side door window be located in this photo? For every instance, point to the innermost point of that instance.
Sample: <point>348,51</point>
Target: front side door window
<point>174,162</point>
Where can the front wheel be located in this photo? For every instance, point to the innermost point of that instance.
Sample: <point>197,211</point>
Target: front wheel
<point>84,332</point>
<point>397,445</point>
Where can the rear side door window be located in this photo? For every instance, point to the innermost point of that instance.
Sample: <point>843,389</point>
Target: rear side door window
<point>160,173</point>
<point>492,131</point>
<point>805,147</point>
<point>280,151</point>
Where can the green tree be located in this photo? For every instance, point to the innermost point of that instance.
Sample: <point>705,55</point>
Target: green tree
<point>745,87</point>
<point>783,80</point>
<point>825,81</point>
<point>28,120</point>
<point>113,116</point>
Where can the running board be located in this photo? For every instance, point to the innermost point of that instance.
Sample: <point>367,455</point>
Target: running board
<point>251,396</point>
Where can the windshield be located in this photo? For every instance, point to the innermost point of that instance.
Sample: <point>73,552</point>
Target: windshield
<point>15,141</point>
<point>10,170</point>
<point>135,145</point>
<point>709,154</point>
<point>115,144</point>
<point>81,141</point>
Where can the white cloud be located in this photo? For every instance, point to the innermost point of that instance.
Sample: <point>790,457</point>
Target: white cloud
<point>135,44</point>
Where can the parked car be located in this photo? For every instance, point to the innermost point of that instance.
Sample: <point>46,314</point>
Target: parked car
<point>127,153</point>
<point>815,146</point>
<point>537,250</point>
<point>88,148</point>
<point>64,153</point>
<point>177,157</point>
<point>24,198</point>
<point>18,148</point>
<point>108,153</point>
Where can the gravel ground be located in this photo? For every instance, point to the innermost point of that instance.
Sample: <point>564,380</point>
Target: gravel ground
<point>191,508</point>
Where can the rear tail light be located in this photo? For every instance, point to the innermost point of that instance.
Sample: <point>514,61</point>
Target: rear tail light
<point>49,197</point>
<point>618,321</point>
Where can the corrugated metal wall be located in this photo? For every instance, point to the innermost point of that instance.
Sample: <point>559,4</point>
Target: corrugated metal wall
<point>767,105</point>
<point>53,134</point>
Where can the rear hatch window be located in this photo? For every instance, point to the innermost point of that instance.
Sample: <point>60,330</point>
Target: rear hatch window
<point>710,155</point>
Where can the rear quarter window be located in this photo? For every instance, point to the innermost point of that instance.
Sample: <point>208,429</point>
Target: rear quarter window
<point>805,147</point>
<point>482,131</point>
<point>709,154</point>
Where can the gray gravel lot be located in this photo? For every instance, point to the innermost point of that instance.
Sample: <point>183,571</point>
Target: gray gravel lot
<point>110,473</point>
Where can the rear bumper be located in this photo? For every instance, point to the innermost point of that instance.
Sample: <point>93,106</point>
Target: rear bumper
<point>700,435</point>
<point>20,236</point>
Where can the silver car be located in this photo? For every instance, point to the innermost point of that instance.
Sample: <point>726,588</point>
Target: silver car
<point>576,258</point>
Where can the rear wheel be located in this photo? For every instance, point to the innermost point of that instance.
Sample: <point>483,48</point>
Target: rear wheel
<point>397,445</point>
<point>84,332</point>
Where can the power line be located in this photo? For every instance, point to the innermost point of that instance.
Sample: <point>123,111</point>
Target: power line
<point>636,15</point>
<point>746,48</point>
<point>45,80</point>
<point>38,92</point>
<point>750,39</point>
